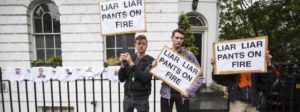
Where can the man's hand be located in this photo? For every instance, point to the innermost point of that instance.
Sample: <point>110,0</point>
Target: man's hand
<point>213,61</point>
<point>122,60</point>
<point>126,58</point>
<point>268,57</point>
<point>185,94</point>
<point>154,63</point>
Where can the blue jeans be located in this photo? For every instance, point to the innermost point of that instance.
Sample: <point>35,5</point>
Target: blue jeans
<point>141,105</point>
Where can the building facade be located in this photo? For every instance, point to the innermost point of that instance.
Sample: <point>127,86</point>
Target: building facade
<point>39,29</point>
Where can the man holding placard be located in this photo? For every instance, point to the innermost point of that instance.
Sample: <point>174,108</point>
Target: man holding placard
<point>135,72</point>
<point>169,95</point>
<point>245,82</point>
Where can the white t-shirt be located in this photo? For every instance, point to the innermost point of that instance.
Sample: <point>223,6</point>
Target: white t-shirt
<point>41,74</point>
<point>111,73</point>
<point>17,73</point>
<point>91,71</point>
<point>67,73</point>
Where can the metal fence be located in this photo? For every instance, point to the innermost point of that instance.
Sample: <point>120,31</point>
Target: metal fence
<point>12,103</point>
<point>283,94</point>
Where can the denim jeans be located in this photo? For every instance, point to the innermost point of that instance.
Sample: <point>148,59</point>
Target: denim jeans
<point>167,105</point>
<point>141,105</point>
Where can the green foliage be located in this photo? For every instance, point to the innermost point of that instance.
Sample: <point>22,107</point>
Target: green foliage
<point>111,61</point>
<point>38,62</point>
<point>278,19</point>
<point>52,61</point>
<point>189,38</point>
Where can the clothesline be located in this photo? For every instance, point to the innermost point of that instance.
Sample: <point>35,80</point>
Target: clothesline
<point>64,74</point>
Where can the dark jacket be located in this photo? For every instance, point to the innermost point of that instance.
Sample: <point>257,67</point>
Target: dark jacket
<point>137,78</point>
<point>261,84</point>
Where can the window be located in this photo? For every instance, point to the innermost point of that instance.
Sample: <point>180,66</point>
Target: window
<point>115,44</point>
<point>46,30</point>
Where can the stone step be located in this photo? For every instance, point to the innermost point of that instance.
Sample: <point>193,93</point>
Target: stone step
<point>209,100</point>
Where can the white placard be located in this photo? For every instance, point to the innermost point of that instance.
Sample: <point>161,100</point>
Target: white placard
<point>122,16</point>
<point>243,55</point>
<point>175,70</point>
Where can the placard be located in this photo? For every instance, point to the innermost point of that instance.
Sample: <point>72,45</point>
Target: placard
<point>175,70</point>
<point>122,16</point>
<point>240,56</point>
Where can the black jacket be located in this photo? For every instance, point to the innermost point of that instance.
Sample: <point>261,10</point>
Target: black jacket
<point>137,78</point>
<point>261,84</point>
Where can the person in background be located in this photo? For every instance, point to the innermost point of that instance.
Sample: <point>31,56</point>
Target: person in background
<point>134,72</point>
<point>246,90</point>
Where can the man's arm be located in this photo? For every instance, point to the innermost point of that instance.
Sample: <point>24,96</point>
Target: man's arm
<point>142,72</point>
<point>123,71</point>
<point>143,76</point>
<point>122,74</point>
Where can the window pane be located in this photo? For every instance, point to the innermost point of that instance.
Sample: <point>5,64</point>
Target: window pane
<point>58,52</point>
<point>39,39</point>
<point>110,42</point>
<point>40,54</point>
<point>47,21</point>
<point>131,52</point>
<point>55,16</point>
<point>49,53</point>
<point>38,12</point>
<point>56,26</point>
<point>119,51</point>
<point>130,41</point>
<point>57,41</point>
<point>195,21</point>
<point>45,6</point>
<point>110,53</point>
<point>119,41</point>
<point>49,41</point>
<point>38,25</point>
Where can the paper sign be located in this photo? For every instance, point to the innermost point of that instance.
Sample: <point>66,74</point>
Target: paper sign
<point>122,16</point>
<point>175,70</point>
<point>239,56</point>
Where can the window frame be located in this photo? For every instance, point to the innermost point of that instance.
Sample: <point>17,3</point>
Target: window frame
<point>34,34</point>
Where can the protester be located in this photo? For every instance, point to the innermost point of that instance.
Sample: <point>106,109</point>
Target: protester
<point>169,96</point>
<point>246,90</point>
<point>135,72</point>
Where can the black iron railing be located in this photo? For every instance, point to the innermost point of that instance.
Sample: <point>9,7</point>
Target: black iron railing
<point>283,94</point>
<point>7,98</point>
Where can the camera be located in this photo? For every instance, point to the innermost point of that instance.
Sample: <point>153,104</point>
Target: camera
<point>124,53</point>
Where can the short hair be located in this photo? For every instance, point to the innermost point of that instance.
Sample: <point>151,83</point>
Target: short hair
<point>179,30</point>
<point>141,37</point>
